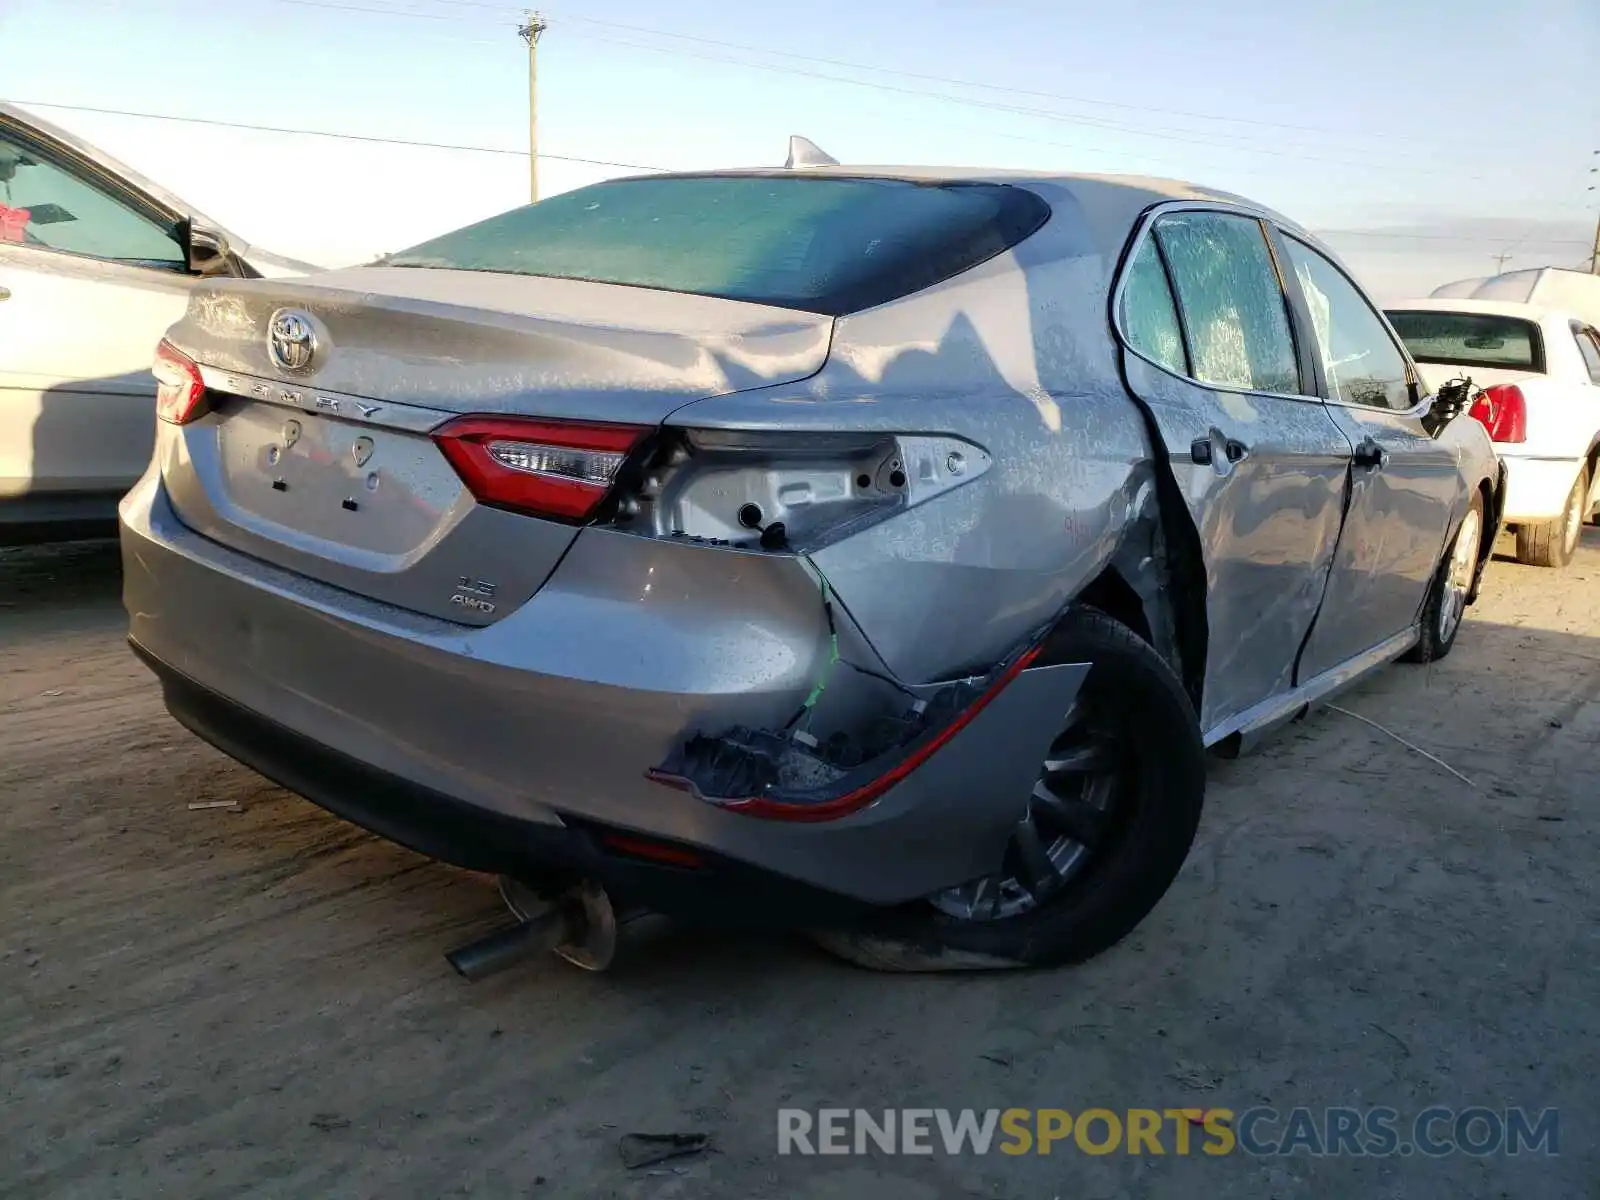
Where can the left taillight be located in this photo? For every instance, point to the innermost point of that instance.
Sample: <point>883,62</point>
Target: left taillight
<point>538,466</point>
<point>180,392</point>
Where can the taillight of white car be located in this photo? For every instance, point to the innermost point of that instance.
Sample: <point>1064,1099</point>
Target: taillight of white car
<point>1503,411</point>
<point>180,392</point>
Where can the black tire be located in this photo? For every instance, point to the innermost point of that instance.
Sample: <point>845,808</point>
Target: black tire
<point>1548,544</point>
<point>1435,642</point>
<point>1161,775</point>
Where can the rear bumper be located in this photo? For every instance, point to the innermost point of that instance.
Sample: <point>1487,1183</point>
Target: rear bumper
<point>1537,488</point>
<point>718,891</point>
<point>501,748</point>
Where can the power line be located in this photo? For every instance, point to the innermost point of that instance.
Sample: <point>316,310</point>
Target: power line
<point>1188,137</point>
<point>600,162</point>
<point>356,137</point>
<point>1443,237</point>
<point>346,137</point>
<point>931,78</point>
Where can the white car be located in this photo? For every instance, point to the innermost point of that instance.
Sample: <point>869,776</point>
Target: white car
<point>1539,371</point>
<point>95,263</point>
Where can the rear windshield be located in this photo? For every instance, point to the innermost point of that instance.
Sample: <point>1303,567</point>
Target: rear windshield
<point>828,245</point>
<point>1479,339</point>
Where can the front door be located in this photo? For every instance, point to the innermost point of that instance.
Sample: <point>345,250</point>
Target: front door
<point>1404,484</point>
<point>1261,463</point>
<point>90,279</point>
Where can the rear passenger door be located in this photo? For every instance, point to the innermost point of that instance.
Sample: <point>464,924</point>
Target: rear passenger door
<point>1211,351</point>
<point>1405,486</point>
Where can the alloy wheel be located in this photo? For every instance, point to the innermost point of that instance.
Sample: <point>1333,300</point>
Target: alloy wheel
<point>1069,817</point>
<point>1458,579</point>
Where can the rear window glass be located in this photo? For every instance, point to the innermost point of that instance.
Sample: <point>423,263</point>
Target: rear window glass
<point>1478,339</point>
<point>828,245</point>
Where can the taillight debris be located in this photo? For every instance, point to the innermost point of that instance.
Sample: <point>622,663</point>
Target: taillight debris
<point>791,777</point>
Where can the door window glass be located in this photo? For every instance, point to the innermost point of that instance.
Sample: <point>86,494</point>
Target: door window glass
<point>1360,359</point>
<point>1233,305</point>
<point>1589,347</point>
<point>42,204</point>
<point>1149,317</point>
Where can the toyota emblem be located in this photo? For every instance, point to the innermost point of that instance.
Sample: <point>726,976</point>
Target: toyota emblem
<point>291,340</point>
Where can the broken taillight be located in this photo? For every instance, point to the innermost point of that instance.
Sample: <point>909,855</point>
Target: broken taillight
<point>701,766</point>
<point>540,466</point>
<point>180,392</point>
<point>1503,411</point>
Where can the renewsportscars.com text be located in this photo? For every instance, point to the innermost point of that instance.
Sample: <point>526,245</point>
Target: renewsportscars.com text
<point>1336,1131</point>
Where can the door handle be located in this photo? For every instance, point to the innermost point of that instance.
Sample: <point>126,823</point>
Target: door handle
<point>1203,451</point>
<point>1371,455</point>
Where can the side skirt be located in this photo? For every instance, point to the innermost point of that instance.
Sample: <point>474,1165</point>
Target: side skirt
<point>1255,724</point>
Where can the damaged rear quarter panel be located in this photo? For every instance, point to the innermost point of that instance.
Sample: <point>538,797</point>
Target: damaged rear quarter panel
<point>1016,357</point>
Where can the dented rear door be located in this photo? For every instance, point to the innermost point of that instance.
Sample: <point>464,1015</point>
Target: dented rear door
<point>1262,465</point>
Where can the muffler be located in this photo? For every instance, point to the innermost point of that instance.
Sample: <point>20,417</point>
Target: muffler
<point>501,949</point>
<point>581,925</point>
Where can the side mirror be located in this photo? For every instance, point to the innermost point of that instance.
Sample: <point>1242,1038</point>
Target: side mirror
<point>1451,400</point>
<point>207,250</point>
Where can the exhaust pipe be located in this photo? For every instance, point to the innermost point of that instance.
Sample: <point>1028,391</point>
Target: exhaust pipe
<point>482,958</point>
<point>581,925</point>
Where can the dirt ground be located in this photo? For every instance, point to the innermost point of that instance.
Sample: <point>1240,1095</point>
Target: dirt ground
<point>223,1003</point>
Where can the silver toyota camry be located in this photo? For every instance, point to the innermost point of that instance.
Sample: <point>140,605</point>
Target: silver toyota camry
<point>873,551</point>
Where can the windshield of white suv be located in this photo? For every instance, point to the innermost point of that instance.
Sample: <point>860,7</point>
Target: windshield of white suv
<point>825,244</point>
<point>1475,339</point>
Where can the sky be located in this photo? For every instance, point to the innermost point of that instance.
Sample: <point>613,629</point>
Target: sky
<point>1420,137</point>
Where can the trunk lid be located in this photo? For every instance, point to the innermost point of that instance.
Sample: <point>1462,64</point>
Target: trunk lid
<point>328,470</point>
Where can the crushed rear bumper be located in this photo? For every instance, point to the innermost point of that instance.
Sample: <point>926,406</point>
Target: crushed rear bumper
<point>506,747</point>
<point>717,891</point>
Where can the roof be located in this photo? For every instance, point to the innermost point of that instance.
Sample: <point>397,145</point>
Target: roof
<point>1553,288</point>
<point>1496,308</point>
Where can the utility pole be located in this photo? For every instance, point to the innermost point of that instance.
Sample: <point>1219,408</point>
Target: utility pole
<point>1500,262</point>
<point>1594,257</point>
<point>530,34</point>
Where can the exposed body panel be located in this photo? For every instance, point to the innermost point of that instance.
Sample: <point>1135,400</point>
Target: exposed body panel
<point>993,357</point>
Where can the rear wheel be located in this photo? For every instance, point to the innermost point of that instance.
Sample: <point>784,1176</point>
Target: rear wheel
<point>1553,543</point>
<point>1098,842</point>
